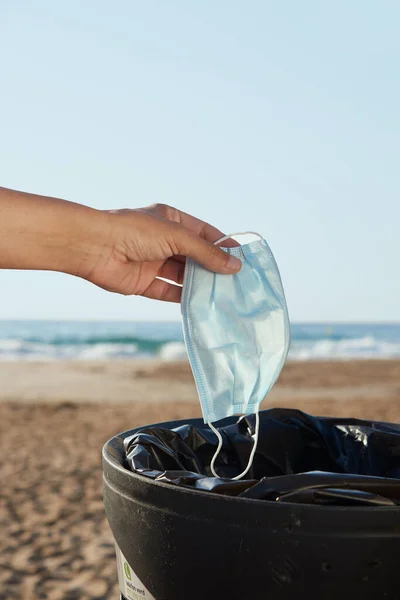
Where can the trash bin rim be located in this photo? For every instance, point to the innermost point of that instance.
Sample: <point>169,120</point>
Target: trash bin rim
<point>221,497</point>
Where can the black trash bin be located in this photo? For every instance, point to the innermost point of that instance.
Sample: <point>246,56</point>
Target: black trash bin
<point>177,543</point>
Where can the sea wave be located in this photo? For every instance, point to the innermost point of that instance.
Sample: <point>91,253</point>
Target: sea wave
<point>103,348</point>
<point>366,347</point>
<point>15,349</point>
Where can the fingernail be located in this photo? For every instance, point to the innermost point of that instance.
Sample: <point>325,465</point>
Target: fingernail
<point>233,263</point>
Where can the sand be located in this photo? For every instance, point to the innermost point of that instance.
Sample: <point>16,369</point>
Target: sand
<point>54,419</point>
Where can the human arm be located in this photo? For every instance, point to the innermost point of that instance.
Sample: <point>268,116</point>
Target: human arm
<point>124,251</point>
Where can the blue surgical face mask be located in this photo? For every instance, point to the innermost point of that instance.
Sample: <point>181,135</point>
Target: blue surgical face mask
<point>237,333</point>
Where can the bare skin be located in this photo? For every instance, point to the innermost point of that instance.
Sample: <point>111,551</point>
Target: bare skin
<point>125,251</point>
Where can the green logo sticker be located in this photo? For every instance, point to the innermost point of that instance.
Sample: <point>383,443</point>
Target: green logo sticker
<point>127,571</point>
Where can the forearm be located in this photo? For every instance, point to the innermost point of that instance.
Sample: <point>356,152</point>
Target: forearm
<point>45,233</point>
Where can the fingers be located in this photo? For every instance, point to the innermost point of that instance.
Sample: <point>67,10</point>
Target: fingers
<point>197,226</point>
<point>207,254</point>
<point>161,290</point>
<point>205,230</point>
<point>211,234</point>
<point>173,270</point>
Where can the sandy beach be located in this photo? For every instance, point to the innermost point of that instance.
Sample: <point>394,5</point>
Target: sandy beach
<point>54,419</point>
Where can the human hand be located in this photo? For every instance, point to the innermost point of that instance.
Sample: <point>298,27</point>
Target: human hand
<point>138,247</point>
<point>125,251</point>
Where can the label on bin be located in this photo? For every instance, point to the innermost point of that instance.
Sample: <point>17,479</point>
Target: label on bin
<point>129,583</point>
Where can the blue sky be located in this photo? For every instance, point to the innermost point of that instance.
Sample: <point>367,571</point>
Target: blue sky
<point>281,117</point>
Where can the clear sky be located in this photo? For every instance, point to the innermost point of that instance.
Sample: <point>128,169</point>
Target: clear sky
<point>280,117</point>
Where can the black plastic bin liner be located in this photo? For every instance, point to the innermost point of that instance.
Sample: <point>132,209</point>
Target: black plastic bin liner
<point>299,459</point>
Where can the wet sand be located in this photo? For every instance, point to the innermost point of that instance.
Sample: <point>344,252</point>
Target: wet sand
<point>54,419</point>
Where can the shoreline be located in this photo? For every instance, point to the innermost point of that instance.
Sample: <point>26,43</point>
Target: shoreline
<point>154,381</point>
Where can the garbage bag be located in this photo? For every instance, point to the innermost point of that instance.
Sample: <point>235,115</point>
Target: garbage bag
<point>299,458</point>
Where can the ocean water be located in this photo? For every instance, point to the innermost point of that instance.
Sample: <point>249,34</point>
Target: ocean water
<point>63,340</point>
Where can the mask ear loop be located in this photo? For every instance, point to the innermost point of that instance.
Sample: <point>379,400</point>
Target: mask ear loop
<point>257,427</point>
<point>220,442</point>
<point>226,237</point>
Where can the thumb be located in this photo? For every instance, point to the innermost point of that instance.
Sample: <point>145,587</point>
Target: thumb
<point>210,256</point>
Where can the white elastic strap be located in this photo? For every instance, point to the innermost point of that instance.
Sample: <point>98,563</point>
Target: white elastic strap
<point>220,442</point>
<point>226,237</point>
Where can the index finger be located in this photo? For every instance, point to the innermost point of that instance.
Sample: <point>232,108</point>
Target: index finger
<point>205,230</point>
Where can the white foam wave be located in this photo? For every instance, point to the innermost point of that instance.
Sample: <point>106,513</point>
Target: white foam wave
<point>106,351</point>
<point>367,347</point>
<point>173,351</point>
<point>357,348</point>
<point>11,349</point>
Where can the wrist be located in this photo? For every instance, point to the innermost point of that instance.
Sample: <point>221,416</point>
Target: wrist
<point>79,240</point>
